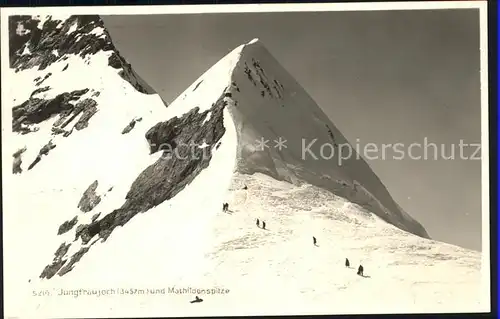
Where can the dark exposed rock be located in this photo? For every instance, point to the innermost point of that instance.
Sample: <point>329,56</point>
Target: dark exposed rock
<point>79,230</point>
<point>280,96</point>
<point>86,232</point>
<point>40,90</point>
<point>74,259</point>
<point>34,110</point>
<point>67,225</point>
<point>17,39</point>
<point>49,38</point>
<point>330,133</point>
<point>233,84</point>
<point>16,167</point>
<point>279,84</point>
<point>248,72</point>
<point>67,133</point>
<point>150,189</point>
<point>197,85</point>
<point>53,36</point>
<point>89,198</point>
<point>129,127</point>
<point>89,108</point>
<point>57,263</point>
<point>46,148</point>
<point>36,161</point>
<point>19,152</point>
<point>24,129</point>
<point>165,178</point>
<point>65,67</point>
<point>94,218</point>
<point>259,71</point>
<point>43,151</point>
<point>57,131</point>
<point>161,136</point>
<point>118,62</point>
<point>40,80</point>
<point>114,61</point>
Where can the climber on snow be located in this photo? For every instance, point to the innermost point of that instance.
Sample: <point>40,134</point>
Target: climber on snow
<point>347,264</point>
<point>263,225</point>
<point>196,299</point>
<point>257,223</point>
<point>360,270</point>
<point>314,241</point>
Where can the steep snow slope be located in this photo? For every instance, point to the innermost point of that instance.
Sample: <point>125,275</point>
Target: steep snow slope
<point>163,173</point>
<point>266,103</point>
<point>273,271</point>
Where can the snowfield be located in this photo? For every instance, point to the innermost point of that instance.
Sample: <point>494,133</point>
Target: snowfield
<point>187,241</point>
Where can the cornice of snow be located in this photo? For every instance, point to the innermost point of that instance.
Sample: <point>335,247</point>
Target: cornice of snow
<point>265,101</point>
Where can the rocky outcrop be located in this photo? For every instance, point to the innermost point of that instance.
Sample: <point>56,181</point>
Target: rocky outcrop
<point>197,85</point>
<point>39,80</point>
<point>48,42</point>
<point>272,89</point>
<point>330,133</point>
<point>35,110</point>
<point>89,198</point>
<point>74,259</point>
<point>87,108</point>
<point>16,166</point>
<point>130,126</point>
<point>94,218</point>
<point>67,225</point>
<point>183,159</point>
<point>37,45</point>
<point>43,151</point>
<point>40,90</point>
<point>50,270</point>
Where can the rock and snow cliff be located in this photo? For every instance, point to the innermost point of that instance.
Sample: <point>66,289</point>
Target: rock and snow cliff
<point>111,186</point>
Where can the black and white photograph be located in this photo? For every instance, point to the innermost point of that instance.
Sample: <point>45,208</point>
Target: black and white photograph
<point>235,160</point>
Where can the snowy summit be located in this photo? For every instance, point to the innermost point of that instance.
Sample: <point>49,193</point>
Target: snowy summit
<point>112,187</point>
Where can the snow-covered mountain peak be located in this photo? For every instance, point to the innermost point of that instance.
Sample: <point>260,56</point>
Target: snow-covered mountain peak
<point>283,133</point>
<point>111,187</point>
<point>254,40</point>
<point>37,43</point>
<point>70,71</point>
